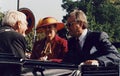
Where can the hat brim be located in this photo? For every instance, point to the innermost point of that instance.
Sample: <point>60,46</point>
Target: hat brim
<point>59,26</point>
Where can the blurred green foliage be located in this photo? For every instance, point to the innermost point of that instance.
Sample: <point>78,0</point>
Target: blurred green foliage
<point>103,15</point>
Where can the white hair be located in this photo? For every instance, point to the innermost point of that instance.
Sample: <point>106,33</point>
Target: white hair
<point>12,16</point>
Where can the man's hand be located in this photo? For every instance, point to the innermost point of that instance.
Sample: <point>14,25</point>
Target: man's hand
<point>91,62</point>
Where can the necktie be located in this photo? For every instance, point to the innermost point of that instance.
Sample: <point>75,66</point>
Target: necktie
<point>78,46</point>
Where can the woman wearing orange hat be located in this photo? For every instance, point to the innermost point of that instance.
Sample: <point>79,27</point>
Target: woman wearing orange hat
<point>52,47</point>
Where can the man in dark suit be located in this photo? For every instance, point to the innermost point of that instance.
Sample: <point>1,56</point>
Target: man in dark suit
<point>87,47</point>
<point>12,32</point>
<point>12,42</point>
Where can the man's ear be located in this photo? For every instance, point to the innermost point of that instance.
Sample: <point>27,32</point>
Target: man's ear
<point>17,25</point>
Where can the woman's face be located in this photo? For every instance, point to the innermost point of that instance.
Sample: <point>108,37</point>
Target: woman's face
<point>50,31</point>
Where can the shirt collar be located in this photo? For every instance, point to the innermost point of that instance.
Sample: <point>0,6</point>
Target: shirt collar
<point>83,35</point>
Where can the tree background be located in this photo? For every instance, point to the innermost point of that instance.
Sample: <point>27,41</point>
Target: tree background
<point>103,15</point>
<point>1,16</point>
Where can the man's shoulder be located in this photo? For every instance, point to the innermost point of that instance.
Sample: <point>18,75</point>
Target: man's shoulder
<point>71,39</point>
<point>96,33</point>
<point>10,31</point>
<point>16,34</point>
<point>58,38</point>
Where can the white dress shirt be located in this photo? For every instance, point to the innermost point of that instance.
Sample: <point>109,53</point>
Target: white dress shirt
<point>83,37</point>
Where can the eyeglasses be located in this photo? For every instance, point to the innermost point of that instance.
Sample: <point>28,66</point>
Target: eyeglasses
<point>72,23</point>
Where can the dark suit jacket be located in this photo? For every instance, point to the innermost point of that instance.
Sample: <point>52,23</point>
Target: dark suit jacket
<point>11,42</point>
<point>96,46</point>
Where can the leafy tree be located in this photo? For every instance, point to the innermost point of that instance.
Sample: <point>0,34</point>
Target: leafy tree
<point>30,38</point>
<point>1,16</point>
<point>103,15</point>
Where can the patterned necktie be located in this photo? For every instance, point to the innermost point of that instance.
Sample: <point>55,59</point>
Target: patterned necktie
<point>47,49</point>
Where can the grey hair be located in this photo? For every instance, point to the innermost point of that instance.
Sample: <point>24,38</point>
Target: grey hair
<point>79,16</point>
<point>12,16</point>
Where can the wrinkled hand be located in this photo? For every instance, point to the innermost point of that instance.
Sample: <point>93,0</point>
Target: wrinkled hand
<point>56,60</point>
<point>44,58</point>
<point>91,62</point>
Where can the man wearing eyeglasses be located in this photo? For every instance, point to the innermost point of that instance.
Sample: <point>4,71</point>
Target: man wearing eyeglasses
<point>88,47</point>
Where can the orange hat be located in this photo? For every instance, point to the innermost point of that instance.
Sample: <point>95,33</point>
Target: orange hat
<point>47,21</point>
<point>38,29</point>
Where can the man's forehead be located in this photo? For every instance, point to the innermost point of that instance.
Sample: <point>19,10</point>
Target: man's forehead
<point>71,19</point>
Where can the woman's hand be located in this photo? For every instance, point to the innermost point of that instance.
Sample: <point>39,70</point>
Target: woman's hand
<point>44,58</point>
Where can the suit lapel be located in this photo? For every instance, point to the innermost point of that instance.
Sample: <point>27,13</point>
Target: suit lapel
<point>88,42</point>
<point>75,44</point>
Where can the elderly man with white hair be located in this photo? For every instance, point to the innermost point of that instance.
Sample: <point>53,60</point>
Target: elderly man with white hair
<point>12,41</point>
<point>12,32</point>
